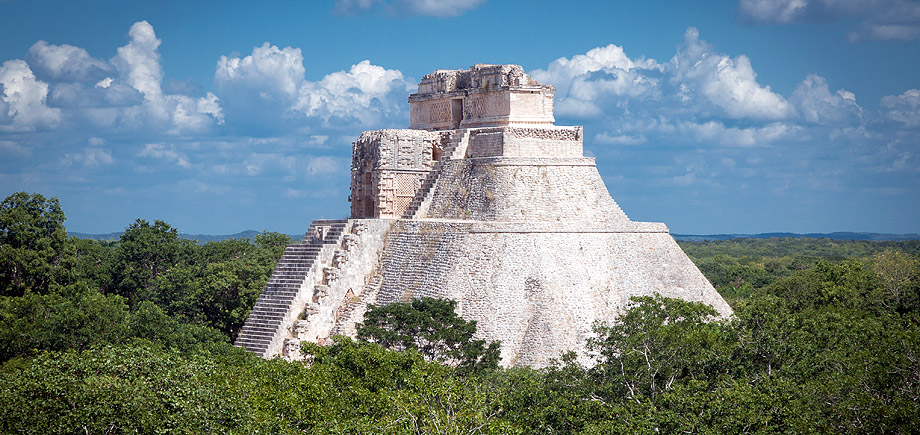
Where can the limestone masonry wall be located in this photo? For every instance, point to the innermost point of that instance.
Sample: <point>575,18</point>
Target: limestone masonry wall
<point>525,142</point>
<point>387,169</point>
<point>523,190</point>
<point>486,203</point>
<point>539,293</point>
<point>484,95</point>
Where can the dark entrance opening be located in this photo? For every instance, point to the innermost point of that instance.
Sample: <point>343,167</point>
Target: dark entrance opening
<point>456,112</point>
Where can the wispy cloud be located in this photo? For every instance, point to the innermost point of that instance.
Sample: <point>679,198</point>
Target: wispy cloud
<point>89,157</point>
<point>435,8</point>
<point>897,20</point>
<point>165,152</point>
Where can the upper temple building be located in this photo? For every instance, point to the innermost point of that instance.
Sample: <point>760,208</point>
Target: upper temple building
<point>485,201</point>
<point>483,96</point>
<point>486,111</point>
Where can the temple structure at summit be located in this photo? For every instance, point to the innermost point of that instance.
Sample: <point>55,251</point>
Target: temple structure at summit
<point>485,201</point>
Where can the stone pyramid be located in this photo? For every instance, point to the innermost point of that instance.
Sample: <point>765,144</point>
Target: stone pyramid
<point>484,201</point>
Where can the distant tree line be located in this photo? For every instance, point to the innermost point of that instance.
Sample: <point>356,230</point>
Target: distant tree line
<point>61,292</point>
<point>134,336</point>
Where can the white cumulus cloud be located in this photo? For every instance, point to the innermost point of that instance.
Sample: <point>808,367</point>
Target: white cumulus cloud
<point>816,104</point>
<point>904,108</point>
<point>696,80</point>
<point>138,63</point>
<point>729,83</point>
<point>273,73</point>
<point>63,87</point>
<point>701,97</point>
<point>139,60</point>
<point>358,92</point>
<point>273,79</point>
<point>23,98</point>
<point>65,63</point>
<point>603,73</point>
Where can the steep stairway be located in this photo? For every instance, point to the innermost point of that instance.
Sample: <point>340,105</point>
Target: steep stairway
<point>455,149</point>
<point>347,313</point>
<point>276,303</point>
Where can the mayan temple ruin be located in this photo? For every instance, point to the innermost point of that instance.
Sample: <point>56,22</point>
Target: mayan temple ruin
<point>484,201</point>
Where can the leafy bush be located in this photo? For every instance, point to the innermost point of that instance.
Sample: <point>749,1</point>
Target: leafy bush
<point>431,327</point>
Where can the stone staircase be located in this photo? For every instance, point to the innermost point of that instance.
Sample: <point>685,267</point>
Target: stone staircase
<point>280,302</point>
<point>348,311</point>
<point>455,149</point>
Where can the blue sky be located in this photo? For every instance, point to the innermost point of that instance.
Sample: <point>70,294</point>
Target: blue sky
<point>734,116</point>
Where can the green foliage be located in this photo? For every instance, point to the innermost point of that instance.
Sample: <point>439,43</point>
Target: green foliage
<point>433,328</point>
<point>219,286</point>
<point>899,280</point>
<point>75,320</point>
<point>655,344</point>
<point>359,387</point>
<point>752,250</point>
<point>144,253</point>
<point>274,242</point>
<point>32,238</point>
<point>558,399</point>
<point>133,336</point>
<point>87,261</point>
<point>67,293</point>
<point>117,390</point>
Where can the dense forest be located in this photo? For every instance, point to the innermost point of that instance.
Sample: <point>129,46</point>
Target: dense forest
<point>134,335</point>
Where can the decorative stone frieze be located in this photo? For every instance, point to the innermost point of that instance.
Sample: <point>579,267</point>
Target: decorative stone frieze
<point>484,95</point>
<point>331,274</point>
<point>350,241</point>
<point>319,292</point>
<point>300,329</point>
<point>291,350</point>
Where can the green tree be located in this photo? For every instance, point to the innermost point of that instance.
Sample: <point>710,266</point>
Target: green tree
<point>656,343</point>
<point>273,242</point>
<point>119,390</point>
<point>218,284</point>
<point>89,261</point>
<point>561,398</point>
<point>146,252</point>
<point>76,318</point>
<point>433,328</point>
<point>32,238</point>
<point>898,273</point>
<point>844,284</point>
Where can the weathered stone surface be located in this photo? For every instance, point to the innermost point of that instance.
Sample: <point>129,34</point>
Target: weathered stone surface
<point>387,168</point>
<point>484,95</point>
<point>497,209</point>
<point>537,289</point>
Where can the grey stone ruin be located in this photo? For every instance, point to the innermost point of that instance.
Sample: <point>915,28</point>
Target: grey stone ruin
<point>485,201</point>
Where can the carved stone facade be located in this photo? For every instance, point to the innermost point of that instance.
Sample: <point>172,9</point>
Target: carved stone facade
<point>387,167</point>
<point>484,202</point>
<point>505,112</point>
<point>484,95</point>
